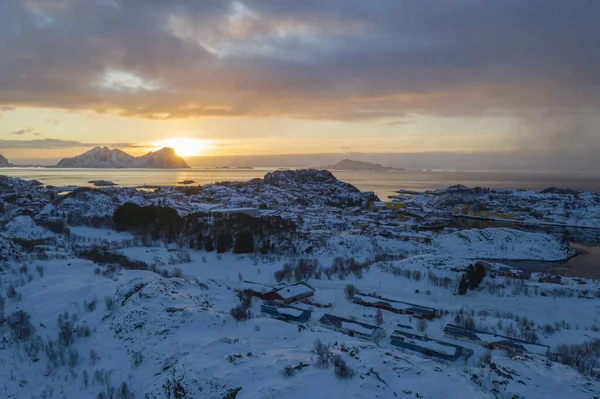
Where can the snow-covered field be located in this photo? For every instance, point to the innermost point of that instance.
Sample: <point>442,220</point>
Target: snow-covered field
<point>75,328</point>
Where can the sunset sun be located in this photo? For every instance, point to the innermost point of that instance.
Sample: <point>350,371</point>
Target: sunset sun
<point>185,147</point>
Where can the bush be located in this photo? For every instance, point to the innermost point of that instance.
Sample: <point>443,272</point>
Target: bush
<point>422,325</point>
<point>109,301</point>
<point>65,331</point>
<point>90,306</point>
<point>73,358</point>
<point>350,291</point>
<point>341,368</point>
<point>241,313</point>
<point>323,353</point>
<point>463,285</point>
<point>20,325</point>
<point>288,372</point>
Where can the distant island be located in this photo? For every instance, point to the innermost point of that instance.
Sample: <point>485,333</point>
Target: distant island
<point>4,162</point>
<point>103,157</point>
<point>350,164</point>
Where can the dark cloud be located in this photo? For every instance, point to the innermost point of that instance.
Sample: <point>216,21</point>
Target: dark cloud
<point>57,143</point>
<point>340,59</point>
<point>25,131</point>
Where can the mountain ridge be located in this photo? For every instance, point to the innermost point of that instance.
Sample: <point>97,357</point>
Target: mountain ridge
<point>350,164</point>
<point>4,162</point>
<point>103,157</point>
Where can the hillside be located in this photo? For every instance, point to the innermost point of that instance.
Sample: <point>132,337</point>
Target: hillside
<point>349,164</point>
<point>4,162</point>
<point>103,157</point>
<point>150,311</point>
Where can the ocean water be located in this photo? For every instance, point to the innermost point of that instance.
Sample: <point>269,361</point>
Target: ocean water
<point>383,184</point>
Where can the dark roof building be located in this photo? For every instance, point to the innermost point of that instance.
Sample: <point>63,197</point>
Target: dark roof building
<point>494,341</point>
<point>428,346</point>
<point>286,313</point>
<point>352,327</point>
<point>395,306</point>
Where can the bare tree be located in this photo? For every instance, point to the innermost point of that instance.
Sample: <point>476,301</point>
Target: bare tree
<point>422,325</point>
<point>379,317</point>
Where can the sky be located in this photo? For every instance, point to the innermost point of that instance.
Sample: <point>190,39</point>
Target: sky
<point>257,77</point>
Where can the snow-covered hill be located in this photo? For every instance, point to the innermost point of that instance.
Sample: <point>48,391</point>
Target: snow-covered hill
<point>103,157</point>
<point>502,243</point>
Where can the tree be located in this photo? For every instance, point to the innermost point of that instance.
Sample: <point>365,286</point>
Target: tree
<point>463,285</point>
<point>244,243</point>
<point>209,244</point>
<point>224,241</point>
<point>379,317</point>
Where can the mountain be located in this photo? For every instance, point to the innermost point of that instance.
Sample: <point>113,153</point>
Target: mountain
<point>4,162</point>
<point>99,157</point>
<point>350,164</point>
<point>163,158</point>
<point>103,157</point>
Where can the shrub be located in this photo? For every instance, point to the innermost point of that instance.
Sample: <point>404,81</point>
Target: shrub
<point>323,353</point>
<point>341,368</point>
<point>73,358</point>
<point>463,285</point>
<point>379,317</point>
<point>90,306</point>
<point>241,313</point>
<point>109,301</point>
<point>20,325</point>
<point>288,371</point>
<point>350,291</point>
<point>422,325</point>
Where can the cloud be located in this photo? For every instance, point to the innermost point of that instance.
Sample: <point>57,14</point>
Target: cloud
<point>58,143</point>
<point>25,131</point>
<point>340,59</point>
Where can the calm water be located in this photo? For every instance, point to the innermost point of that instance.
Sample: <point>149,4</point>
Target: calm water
<point>382,183</point>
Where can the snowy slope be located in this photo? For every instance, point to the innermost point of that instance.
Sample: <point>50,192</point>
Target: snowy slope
<point>501,243</point>
<point>23,228</point>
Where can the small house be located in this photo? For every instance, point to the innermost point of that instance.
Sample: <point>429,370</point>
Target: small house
<point>285,313</point>
<point>399,307</point>
<point>353,328</point>
<point>290,293</point>
<point>428,346</point>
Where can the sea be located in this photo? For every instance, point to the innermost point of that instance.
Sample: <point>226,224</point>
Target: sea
<point>383,184</point>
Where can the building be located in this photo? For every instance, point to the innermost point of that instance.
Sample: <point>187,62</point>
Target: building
<point>352,327</point>
<point>255,289</point>
<point>494,341</point>
<point>513,273</point>
<point>428,346</point>
<point>399,307</point>
<point>254,212</point>
<point>285,313</point>
<point>289,293</point>
<point>394,205</point>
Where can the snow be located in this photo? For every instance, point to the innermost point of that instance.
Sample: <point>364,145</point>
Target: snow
<point>359,328</point>
<point>290,311</point>
<point>292,291</point>
<point>183,330</point>
<point>25,229</point>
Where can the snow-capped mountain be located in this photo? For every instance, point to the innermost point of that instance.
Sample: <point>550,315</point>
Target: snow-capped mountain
<point>4,162</point>
<point>103,157</point>
<point>163,158</point>
<point>99,157</point>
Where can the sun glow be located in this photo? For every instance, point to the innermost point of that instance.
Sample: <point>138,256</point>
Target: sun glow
<point>185,147</point>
